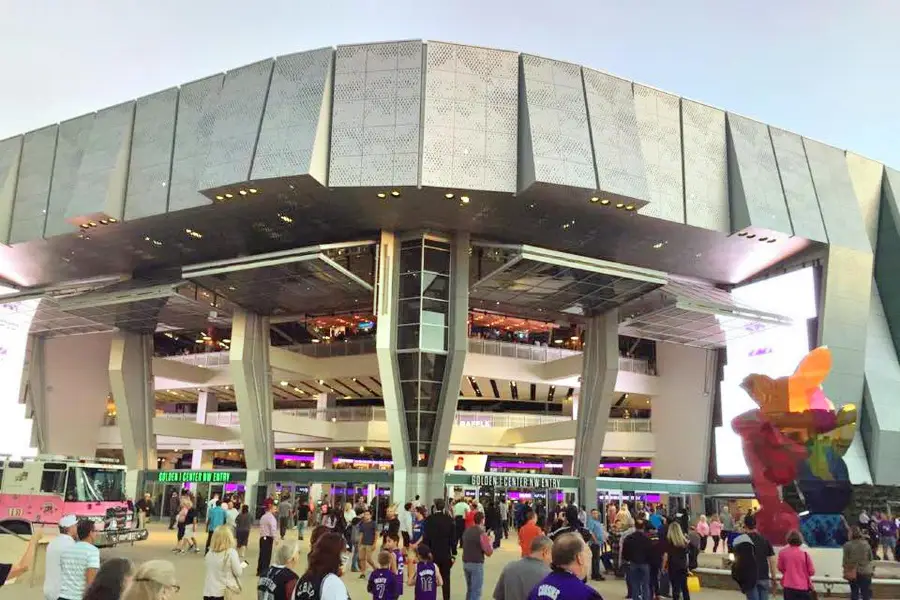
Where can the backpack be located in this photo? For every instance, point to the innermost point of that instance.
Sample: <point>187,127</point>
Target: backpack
<point>743,570</point>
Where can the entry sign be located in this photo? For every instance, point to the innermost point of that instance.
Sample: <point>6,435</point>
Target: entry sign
<point>517,481</point>
<point>194,476</point>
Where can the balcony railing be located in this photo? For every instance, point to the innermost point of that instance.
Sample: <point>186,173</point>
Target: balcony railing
<point>359,346</point>
<point>374,413</point>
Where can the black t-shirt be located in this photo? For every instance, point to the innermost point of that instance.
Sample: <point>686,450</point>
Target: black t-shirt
<point>190,517</point>
<point>637,548</point>
<point>4,572</point>
<point>678,557</point>
<point>763,549</point>
<point>303,512</point>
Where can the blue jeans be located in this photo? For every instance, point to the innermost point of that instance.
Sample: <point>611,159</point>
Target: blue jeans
<point>861,588</point>
<point>639,580</point>
<point>354,563</point>
<point>760,591</point>
<point>474,573</point>
<point>301,527</point>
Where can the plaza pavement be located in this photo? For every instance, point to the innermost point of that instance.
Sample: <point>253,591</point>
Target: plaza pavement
<point>190,569</point>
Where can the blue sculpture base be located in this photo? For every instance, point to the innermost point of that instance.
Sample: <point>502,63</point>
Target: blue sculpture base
<point>824,530</point>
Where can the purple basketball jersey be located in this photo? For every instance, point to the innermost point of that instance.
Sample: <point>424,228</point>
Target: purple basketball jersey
<point>401,563</point>
<point>426,581</point>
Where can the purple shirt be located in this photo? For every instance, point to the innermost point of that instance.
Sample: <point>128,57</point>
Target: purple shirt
<point>383,585</point>
<point>562,585</point>
<point>401,562</point>
<point>426,581</point>
<point>887,528</point>
<point>268,525</point>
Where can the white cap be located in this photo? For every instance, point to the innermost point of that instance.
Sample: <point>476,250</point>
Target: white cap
<point>68,521</point>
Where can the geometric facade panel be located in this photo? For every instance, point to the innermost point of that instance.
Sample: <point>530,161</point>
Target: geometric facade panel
<point>797,183</point>
<point>33,188</point>
<point>197,102</point>
<point>837,200</point>
<point>10,156</point>
<point>553,126</point>
<point>73,139</point>
<point>705,168</point>
<point>866,175</point>
<point>103,171</point>
<point>376,119</point>
<point>293,137</point>
<point>470,134</point>
<point>152,143</point>
<point>658,116</point>
<point>236,124</point>
<point>757,199</point>
<point>614,132</point>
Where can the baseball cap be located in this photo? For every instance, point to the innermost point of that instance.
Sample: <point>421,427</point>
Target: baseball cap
<point>68,521</point>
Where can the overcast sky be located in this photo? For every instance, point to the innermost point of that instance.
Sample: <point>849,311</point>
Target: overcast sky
<point>825,68</point>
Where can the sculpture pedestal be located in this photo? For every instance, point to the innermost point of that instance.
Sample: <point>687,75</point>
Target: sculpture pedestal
<point>824,530</point>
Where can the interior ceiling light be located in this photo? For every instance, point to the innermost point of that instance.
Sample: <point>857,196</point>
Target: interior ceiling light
<point>220,197</point>
<point>620,205</point>
<point>113,220</point>
<point>103,221</point>
<point>85,226</point>
<point>658,245</point>
<point>243,192</point>
<point>286,218</point>
<point>395,193</point>
<point>229,195</point>
<point>449,195</point>
<point>464,199</point>
<point>254,190</point>
<point>382,195</point>
<point>594,199</point>
<point>92,224</point>
<point>629,207</point>
<point>605,202</point>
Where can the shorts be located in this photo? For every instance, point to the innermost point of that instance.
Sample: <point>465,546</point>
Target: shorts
<point>188,533</point>
<point>365,553</point>
<point>405,539</point>
<point>242,536</point>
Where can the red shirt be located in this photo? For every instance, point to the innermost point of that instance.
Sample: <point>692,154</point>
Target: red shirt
<point>470,518</point>
<point>527,533</point>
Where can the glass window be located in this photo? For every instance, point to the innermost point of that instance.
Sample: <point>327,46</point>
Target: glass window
<point>411,260</point>
<point>435,312</point>
<point>412,424</point>
<point>427,421</point>
<point>437,261</point>
<point>410,285</point>
<point>409,311</point>
<point>408,366</point>
<point>433,366</point>
<point>53,481</point>
<point>429,396</point>
<point>95,484</point>
<point>436,286</point>
<point>433,338</point>
<point>407,337</point>
<point>410,391</point>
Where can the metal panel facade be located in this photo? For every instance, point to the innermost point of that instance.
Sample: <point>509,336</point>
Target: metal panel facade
<point>33,189</point>
<point>73,139</point>
<point>865,175</point>
<point>658,117</point>
<point>152,143</point>
<point>193,131</point>
<point>298,114</point>
<point>103,171</point>
<point>237,120</point>
<point>757,199</point>
<point>796,181</point>
<point>882,371</point>
<point>555,122</point>
<point>614,132</point>
<point>837,200</point>
<point>705,168</point>
<point>471,118</point>
<point>377,115</point>
<point>10,156</point>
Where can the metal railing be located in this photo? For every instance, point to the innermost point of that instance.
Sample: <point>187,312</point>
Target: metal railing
<point>462,419</point>
<point>359,346</point>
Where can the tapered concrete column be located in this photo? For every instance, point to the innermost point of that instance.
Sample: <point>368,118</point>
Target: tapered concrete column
<point>131,382</point>
<point>206,403</point>
<point>421,304</point>
<point>598,380</point>
<point>249,365</point>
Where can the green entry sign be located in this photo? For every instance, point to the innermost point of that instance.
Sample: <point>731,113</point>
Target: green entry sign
<point>194,476</point>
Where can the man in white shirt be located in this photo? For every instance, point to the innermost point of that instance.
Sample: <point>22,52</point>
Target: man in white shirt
<point>79,563</point>
<point>53,570</point>
<point>231,513</point>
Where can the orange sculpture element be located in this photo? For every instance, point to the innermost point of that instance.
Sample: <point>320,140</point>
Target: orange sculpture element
<point>796,435</point>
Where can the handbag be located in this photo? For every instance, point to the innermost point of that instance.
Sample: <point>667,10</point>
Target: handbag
<point>813,594</point>
<point>233,586</point>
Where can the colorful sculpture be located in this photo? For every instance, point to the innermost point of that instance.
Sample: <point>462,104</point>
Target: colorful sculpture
<point>797,436</point>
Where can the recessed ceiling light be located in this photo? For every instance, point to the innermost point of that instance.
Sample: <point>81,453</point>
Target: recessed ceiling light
<point>658,245</point>
<point>229,195</point>
<point>605,202</point>
<point>750,236</point>
<point>771,240</point>
<point>232,288</point>
<point>286,218</point>
<point>92,224</point>
<point>84,225</point>
<point>629,207</point>
<point>464,199</point>
<point>449,195</point>
<point>741,233</point>
<point>595,200</point>
<point>103,221</point>
<point>243,192</point>
<point>395,193</point>
<point>220,197</point>
<point>254,190</point>
<point>620,205</point>
<point>112,220</point>
<point>382,195</point>
<point>764,239</point>
<point>284,383</point>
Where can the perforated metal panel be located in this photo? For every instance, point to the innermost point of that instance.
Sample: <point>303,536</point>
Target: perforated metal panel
<point>554,120</point>
<point>617,146</point>
<point>796,181</point>
<point>33,187</point>
<point>73,139</point>
<point>103,171</point>
<point>151,155</point>
<point>10,155</point>
<point>658,117</point>
<point>197,102</point>
<point>238,116</point>
<point>837,200</point>
<point>757,199</point>
<point>377,115</point>
<point>471,118</point>
<point>705,169</point>
<point>297,117</point>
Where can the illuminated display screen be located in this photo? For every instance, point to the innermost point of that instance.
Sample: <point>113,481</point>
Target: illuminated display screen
<point>194,476</point>
<point>15,428</point>
<point>774,352</point>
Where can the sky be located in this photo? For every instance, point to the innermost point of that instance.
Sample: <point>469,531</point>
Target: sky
<point>827,69</point>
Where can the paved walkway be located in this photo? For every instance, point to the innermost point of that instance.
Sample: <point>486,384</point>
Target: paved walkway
<point>191,571</point>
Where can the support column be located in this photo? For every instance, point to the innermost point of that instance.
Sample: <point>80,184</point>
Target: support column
<point>422,304</point>
<point>206,403</point>
<point>249,366</point>
<point>598,380</point>
<point>131,382</point>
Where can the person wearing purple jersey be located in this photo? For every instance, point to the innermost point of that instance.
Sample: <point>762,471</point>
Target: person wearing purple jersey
<point>571,562</point>
<point>383,581</point>
<point>424,574</point>
<point>392,544</point>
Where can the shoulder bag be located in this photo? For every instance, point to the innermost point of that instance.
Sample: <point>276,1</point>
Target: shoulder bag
<point>813,594</point>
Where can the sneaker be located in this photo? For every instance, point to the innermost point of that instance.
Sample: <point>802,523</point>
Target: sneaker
<point>363,576</point>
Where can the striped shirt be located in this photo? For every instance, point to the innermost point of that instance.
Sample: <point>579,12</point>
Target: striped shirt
<point>75,560</point>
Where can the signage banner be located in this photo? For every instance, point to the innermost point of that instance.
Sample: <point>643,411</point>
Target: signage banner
<point>194,476</point>
<point>467,463</point>
<point>516,481</point>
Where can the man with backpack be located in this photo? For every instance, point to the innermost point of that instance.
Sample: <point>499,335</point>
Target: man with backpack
<point>754,563</point>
